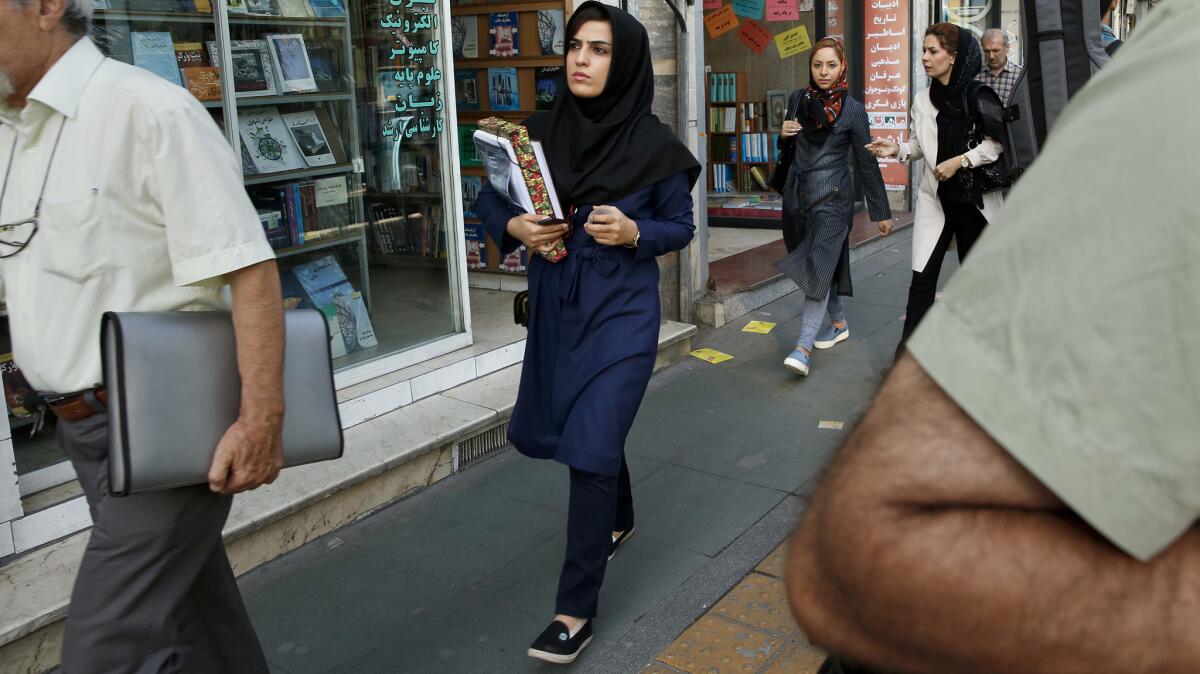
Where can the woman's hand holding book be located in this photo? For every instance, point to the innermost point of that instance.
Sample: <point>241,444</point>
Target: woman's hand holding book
<point>537,237</point>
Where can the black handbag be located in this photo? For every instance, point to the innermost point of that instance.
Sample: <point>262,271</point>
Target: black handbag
<point>979,180</point>
<point>521,309</point>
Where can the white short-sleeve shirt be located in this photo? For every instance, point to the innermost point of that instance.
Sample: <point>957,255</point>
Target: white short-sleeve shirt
<point>144,210</point>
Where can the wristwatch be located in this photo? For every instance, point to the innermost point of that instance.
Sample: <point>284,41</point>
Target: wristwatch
<point>636,237</point>
<point>966,163</point>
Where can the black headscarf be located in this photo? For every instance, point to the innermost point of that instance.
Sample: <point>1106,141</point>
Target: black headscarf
<point>950,99</point>
<point>608,147</point>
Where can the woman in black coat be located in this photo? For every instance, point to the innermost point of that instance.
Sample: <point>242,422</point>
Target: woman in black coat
<point>824,128</point>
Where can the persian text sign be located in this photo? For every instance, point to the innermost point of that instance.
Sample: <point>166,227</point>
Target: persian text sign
<point>792,42</point>
<point>782,10</point>
<point>720,22</point>
<point>755,35</point>
<point>886,79</point>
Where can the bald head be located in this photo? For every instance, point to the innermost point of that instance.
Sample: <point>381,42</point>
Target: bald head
<point>995,49</point>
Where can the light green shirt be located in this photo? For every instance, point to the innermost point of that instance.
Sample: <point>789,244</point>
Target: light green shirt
<point>1072,336</point>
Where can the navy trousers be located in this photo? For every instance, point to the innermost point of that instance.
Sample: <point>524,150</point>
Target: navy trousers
<point>600,505</point>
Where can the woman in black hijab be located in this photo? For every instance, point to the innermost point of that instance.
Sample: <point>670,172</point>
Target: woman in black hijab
<point>948,203</point>
<point>625,181</point>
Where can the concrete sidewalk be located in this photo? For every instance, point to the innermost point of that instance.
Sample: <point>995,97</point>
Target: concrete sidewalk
<point>461,576</point>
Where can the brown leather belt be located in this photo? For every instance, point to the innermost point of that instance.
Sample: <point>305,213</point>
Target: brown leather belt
<point>74,407</point>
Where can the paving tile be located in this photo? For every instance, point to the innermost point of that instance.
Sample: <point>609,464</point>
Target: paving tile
<point>698,511</point>
<point>316,616</point>
<point>797,657</point>
<point>716,646</point>
<point>761,602</point>
<point>637,579</point>
<point>547,483</point>
<point>775,564</point>
<point>463,539</point>
<point>659,668</point>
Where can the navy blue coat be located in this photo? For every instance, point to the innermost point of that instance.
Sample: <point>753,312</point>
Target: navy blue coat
<point>593,328</point>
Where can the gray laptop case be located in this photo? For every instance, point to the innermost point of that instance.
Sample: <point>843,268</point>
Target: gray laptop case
<point>174,389</point>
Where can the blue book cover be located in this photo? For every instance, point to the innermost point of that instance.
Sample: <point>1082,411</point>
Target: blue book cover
<point>466,85</point>
<point>328,8</point>
<point>156,52</point>
<point>502,89</point>
<point>502,28</point>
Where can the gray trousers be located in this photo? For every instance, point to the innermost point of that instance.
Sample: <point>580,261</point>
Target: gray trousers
<point>155,592</point>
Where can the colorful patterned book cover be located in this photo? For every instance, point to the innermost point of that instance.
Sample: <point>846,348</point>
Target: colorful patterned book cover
<point>534,180</point>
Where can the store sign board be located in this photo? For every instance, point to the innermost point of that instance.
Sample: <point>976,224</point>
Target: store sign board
<point>417,79</point>
<point>751,9</point>
<point>887,82</point>
<point>792,42</point>
<point>782,10</point>
<point>755,36</point>
<point>720,22</point>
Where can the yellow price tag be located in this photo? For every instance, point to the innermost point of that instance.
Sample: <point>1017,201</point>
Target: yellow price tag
<point>759,327</point>
<point>711,356</point>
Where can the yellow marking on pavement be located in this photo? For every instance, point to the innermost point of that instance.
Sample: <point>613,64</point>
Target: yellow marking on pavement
<point>711,356</point>
<point>759,327</point>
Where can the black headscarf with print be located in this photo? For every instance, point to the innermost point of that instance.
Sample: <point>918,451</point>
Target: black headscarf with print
<point>608,147</point>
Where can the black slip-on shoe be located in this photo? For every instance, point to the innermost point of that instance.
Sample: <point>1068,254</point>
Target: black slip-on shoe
<point>557,645</point>
<point>612,552</point>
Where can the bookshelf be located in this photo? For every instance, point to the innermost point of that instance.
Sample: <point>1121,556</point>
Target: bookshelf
<point>493,81</point>
<point>278,77</point>
<point>741,146</point>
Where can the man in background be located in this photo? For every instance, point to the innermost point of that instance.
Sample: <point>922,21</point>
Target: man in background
<point>1000,74</point>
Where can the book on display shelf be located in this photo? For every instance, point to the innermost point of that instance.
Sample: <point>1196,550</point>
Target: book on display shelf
<point>549,83</point>
<point>503,90</point>
<point>551,37</point>
<point>334,212</point>
<point>114,40</point>
<point>328,9</point>
<point>323,58</point>
<point>464,33</point>
<point>471,186</point>
<point>270,145</point>
<point>306,131</point>
<point>253,69</point>
<point>155,51</point>
<point>263,7</point>
<point>294,8</point>
<point>466,86</point>
<point>204,82</point>
<point>290,59</point>
<point>190,55</point>
<point>468,155</point>
<point>503,33</point>
<point>477,251</point>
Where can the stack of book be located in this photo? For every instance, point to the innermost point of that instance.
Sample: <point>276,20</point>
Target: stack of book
<point>303,212</point>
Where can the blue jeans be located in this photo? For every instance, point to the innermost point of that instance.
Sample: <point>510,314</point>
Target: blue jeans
<point>814,316</point>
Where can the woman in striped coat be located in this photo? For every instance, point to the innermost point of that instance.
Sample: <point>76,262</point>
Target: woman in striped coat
<point>824,128</point>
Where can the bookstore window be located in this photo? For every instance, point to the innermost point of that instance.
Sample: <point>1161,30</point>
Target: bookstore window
<point>339,109</point>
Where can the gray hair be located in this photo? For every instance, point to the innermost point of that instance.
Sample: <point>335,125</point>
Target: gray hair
<point>77,18</point>
<point>995,32</point>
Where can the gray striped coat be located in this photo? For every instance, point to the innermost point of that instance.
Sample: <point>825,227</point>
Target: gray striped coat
<point>818,200</point>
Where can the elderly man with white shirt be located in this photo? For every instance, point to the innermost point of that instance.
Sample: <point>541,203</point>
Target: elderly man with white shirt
<point>120,194</point>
